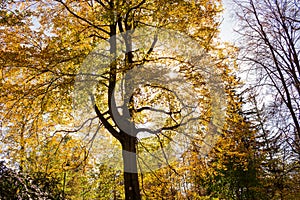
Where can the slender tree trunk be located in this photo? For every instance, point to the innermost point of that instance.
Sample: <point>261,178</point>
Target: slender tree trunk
<point>131,182</point>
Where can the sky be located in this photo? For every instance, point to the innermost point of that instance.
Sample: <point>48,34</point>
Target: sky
<point>227,33</point>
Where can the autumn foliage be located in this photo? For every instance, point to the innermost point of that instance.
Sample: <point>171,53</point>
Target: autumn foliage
<point>61,141</point>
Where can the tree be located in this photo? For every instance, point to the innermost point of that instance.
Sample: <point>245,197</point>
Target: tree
<point>231,169</point>
<point>235,159</point>
<point>124,18</point>
<point>270,55</point>
<point>16,185</point>
<point>52,57</point>
<point>272,50</point>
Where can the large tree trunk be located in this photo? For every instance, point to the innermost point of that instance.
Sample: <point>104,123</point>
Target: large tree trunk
<point>131,182</point>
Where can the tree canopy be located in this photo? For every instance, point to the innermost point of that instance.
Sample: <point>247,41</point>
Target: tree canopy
<point>140,99</point>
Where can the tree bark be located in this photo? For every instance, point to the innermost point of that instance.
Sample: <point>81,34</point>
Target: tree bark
<point>131,182</point>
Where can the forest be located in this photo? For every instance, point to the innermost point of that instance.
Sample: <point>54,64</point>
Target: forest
<point>142,99</point>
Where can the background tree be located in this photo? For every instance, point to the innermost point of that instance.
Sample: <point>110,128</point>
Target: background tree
<point>235,160</point>
<point>16,185</point>
<point>231,169</point>
<point>270,55</point>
